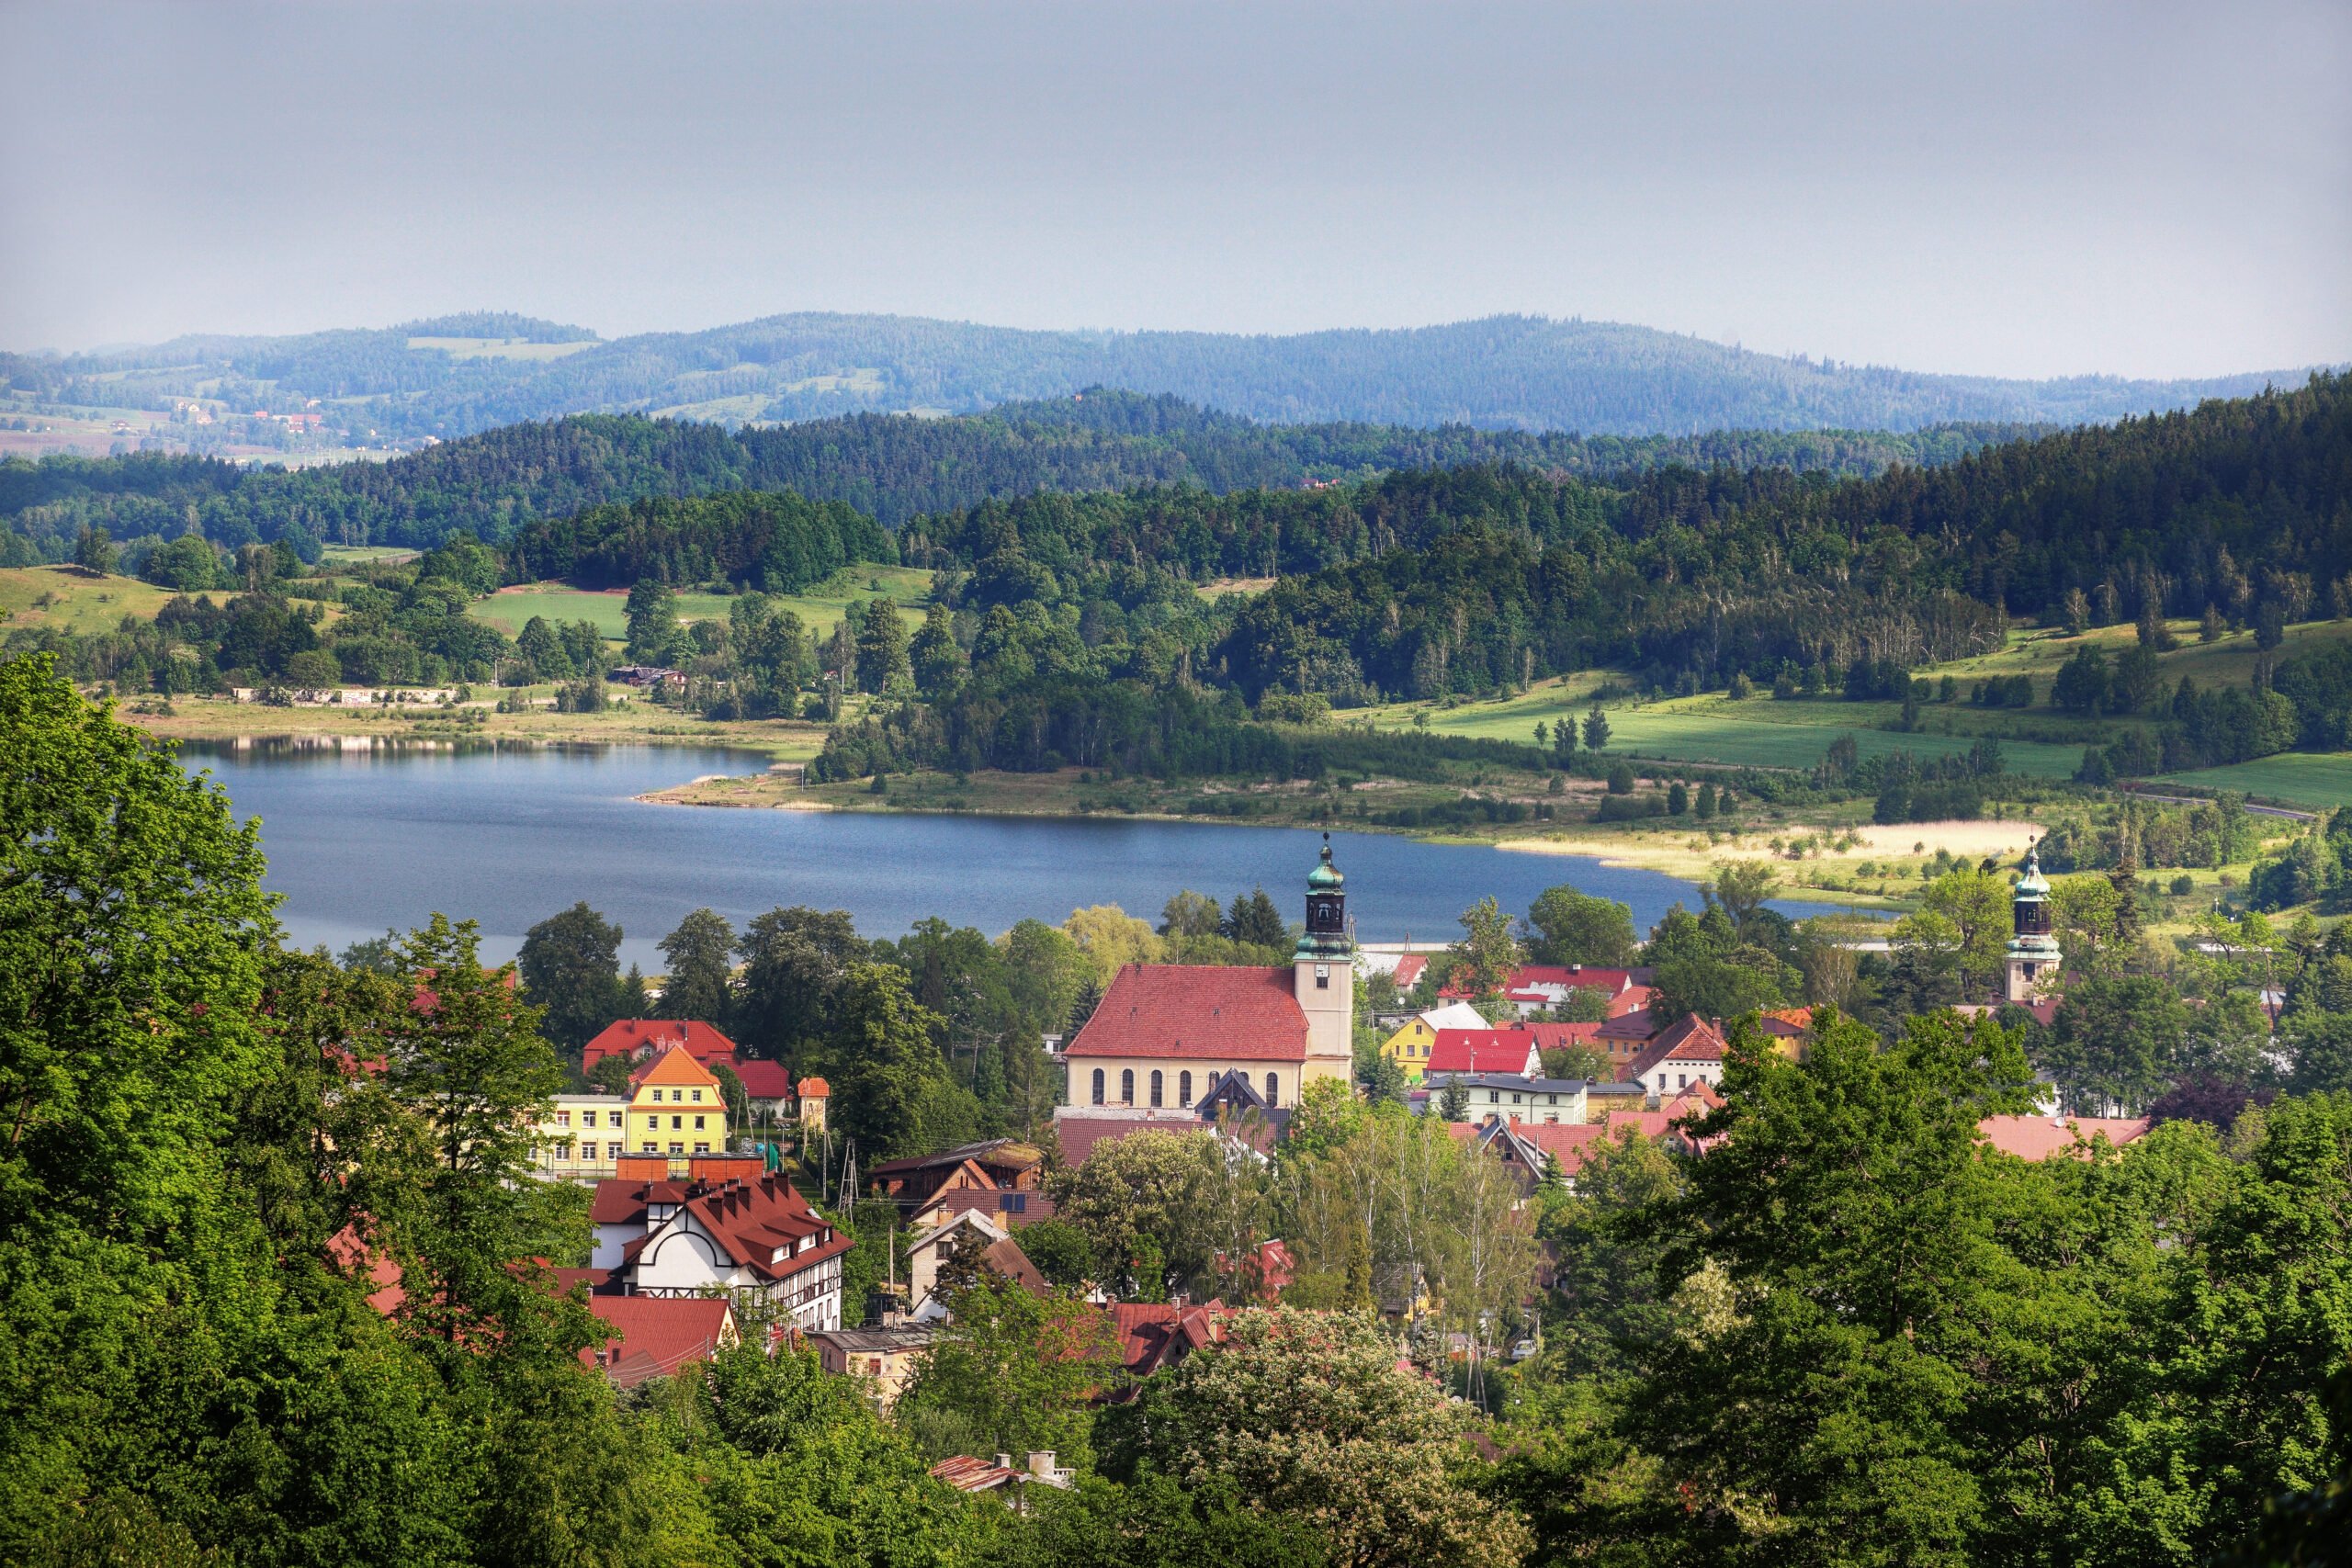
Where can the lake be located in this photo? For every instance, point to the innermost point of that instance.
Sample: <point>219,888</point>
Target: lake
<point>372,838</point>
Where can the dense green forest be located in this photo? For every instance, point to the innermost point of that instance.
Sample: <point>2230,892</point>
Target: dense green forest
<point>1504,372</point>
<point>895,469</point>
<point>1848,1333</point>
<point>1070,628</point>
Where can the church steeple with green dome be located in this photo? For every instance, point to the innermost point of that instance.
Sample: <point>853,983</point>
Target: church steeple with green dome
<point>1327,911</point>
<point>2033,953</point>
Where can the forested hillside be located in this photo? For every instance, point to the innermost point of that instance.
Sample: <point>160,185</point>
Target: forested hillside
<point>1504,372</point>
<point>892,468</point>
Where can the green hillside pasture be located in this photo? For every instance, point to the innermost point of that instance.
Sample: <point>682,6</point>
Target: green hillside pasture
<point>1759,732</point>
<point>2318,779</point>
<point>2228,662</point>
<point>1715,731</point>
<point>820,608</point>
<point>77,603</point>
<point>345,555</point>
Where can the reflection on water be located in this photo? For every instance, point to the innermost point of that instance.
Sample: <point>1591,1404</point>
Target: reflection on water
<point>364,834</point>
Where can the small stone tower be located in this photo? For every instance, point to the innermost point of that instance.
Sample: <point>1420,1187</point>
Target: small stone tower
<point>1323,975</point>
<point>2033,954</point>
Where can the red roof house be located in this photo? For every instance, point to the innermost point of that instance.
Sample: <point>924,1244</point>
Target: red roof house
<point>2041,1137</point>
<point>1152,1334</point>
<point>1689,1048</point>
<point>1485,1051</point>
<point>653,1337</point>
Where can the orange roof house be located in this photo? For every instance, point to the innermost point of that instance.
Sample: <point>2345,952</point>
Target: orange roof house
<point>2042,1137</point>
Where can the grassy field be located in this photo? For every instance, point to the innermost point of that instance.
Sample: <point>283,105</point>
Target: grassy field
<point>820,607</point>
<point>1762,732</point>
<point>2299,778</point>
<point>2228,662</point>
<point>1759,732</point>
<point>343,555</point>
<point>76,603</point>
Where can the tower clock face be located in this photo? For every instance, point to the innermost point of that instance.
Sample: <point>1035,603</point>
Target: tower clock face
<point>1322,971</point>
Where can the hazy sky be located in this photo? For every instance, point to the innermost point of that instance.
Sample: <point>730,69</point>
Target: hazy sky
<point>2144,189</point>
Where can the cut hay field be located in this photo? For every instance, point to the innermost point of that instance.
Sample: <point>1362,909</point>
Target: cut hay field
<point>820,608</point>
<point>77,603</point>
<point>2318,780</point>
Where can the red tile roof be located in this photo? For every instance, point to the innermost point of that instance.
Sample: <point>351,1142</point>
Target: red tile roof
<point>1631,999</point>
<point>762,1079</point>
<point>624,1202</point>
<point>1152,1335</point>
<point>751,1219</point>
<point>1409,970</point>
<point>1555,1036</point>
<point>1080,1134</point>
<point>1197,1012</point>
<point>658,1334</point>
<point>1638,1024</point>
<point>2040,1138</point>
<point>1691,1039</point>
<point>629,1035</point>
<point>1482,1051</point>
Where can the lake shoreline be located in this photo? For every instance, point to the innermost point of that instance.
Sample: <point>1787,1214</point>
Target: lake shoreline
<point>212,725</point>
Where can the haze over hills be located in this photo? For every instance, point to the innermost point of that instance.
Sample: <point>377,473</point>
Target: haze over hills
<point>453,376</point>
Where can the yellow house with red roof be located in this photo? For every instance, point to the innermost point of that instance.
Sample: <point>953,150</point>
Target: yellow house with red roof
<point>676,1108</point>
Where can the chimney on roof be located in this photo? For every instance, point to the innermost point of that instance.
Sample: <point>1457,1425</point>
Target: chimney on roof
<point>1004,1462</point>
<point>1041,1462</point>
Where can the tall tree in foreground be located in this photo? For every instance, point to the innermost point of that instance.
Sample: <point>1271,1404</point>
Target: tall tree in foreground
<point>132,932</point>
<point>1872,1393</point>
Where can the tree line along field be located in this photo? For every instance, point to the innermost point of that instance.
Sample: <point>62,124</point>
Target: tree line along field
<point>2040,742</point>
<point>819,609</point>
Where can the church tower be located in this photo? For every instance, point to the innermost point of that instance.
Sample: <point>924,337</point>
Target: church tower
<point>2032,955</point>
<point>1323,975</point>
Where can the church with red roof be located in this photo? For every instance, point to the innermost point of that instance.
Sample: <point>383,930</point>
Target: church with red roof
<point>1165,1036</point>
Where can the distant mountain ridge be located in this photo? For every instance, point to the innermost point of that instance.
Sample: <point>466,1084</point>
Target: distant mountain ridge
<point>1526,373</point>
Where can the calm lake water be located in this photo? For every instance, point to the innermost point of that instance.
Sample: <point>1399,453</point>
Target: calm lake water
<point>360,840</point>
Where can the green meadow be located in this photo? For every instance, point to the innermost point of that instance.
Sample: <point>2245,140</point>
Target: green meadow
<point>2316,779</point>
<point>821,607</point>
